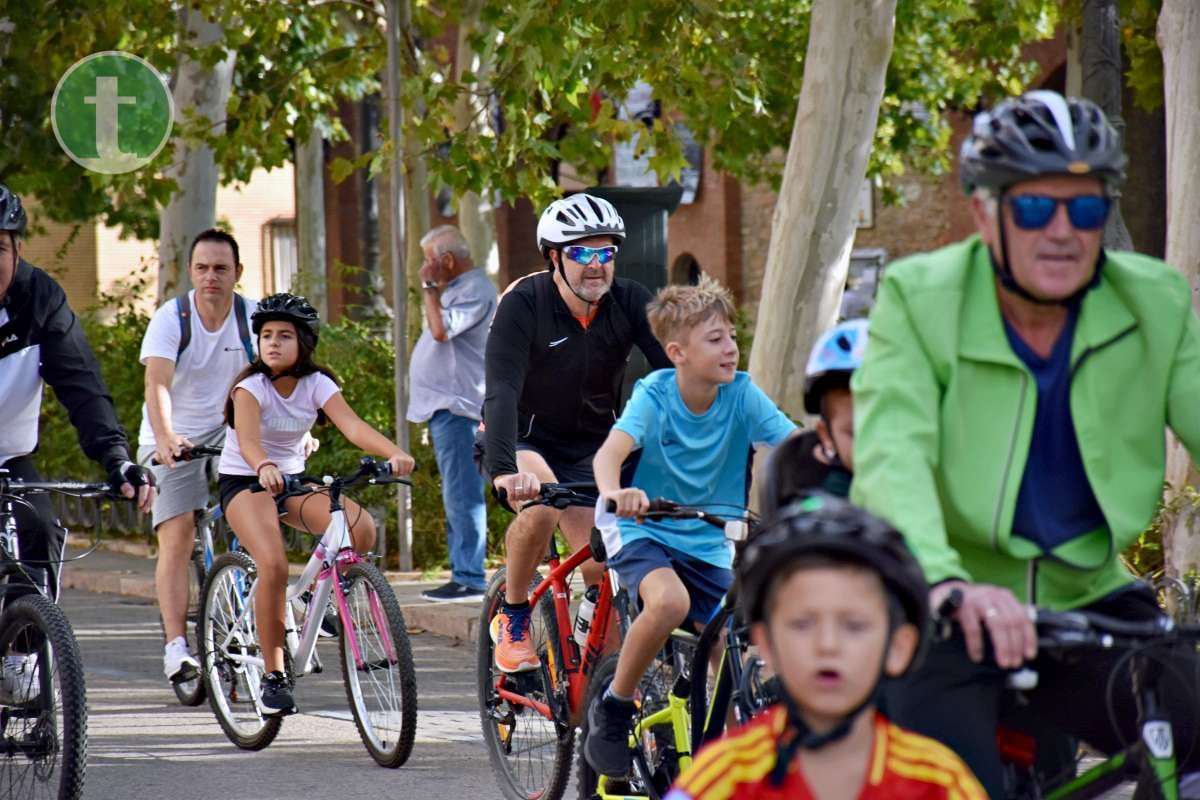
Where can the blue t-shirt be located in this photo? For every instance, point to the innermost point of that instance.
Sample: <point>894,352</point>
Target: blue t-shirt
<point>696,459</point>
<point>1055,502</point>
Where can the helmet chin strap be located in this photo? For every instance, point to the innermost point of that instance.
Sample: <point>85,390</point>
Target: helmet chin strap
<point>562,270</point>
<point>1009,281</point>
<point>805,738</point>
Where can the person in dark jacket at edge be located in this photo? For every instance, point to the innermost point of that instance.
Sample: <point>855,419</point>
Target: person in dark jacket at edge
<point>41,340</point>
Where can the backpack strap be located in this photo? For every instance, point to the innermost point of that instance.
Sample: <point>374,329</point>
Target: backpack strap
<point>183,309</point>
<point>239,310</point>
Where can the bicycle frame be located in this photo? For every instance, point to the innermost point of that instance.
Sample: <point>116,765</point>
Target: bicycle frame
<point>332,554</point>
<point>677,715</point>
<point>577,665</point>
<point>1152,756</point>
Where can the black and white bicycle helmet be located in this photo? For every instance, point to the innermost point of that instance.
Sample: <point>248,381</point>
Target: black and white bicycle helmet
<point>12,215</point>
<point>1040,133</point>
<point>288,308</point>
<point>577,217</point>
<point>819,523</point>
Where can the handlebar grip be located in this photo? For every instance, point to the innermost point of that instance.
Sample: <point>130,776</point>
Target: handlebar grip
<point>190,453</point>
<point>657,506</point>
<point>950,606</point>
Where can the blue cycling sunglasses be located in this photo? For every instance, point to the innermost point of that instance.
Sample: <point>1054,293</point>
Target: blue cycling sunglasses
<point>1032,212</point>
<point>584,255</point>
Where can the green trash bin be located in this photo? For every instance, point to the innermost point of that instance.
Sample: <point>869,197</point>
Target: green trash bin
<point>643,256</point>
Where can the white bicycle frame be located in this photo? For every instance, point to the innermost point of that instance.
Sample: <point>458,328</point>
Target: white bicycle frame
<point>333,549</point>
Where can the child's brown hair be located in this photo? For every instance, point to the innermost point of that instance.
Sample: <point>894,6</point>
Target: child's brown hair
<point>675,310</point>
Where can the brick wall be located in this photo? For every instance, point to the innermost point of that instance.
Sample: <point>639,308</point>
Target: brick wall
<point>934,212</point>
<point>74,267</point>
<point>98,259</point>
<point>709,230</point>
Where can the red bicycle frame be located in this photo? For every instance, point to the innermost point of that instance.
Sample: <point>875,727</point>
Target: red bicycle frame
<point>578,665</point>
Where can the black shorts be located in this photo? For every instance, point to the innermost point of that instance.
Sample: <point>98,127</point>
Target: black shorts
<point>230,485</point>
<point>564,471</point>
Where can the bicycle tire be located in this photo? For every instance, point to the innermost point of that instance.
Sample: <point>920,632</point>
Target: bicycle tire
<point>232,688</point>
<point>546,778</point>
<point>388,731</point>
<point>654,764</point>
<point>48,758</point>
<point>701,704</point>
<point>193,693</point>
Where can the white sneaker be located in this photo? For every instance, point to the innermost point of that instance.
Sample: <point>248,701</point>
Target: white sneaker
<point>19,679</point>
<point>179,664</point>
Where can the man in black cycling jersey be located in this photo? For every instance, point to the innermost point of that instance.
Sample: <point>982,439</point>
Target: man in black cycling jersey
<point>41,340</point>
<point>555,360</point>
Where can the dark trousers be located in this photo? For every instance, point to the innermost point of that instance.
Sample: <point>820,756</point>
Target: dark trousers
<point>40,536</point>
<point>961,703</point>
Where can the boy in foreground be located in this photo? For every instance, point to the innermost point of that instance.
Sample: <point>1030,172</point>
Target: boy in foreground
<point>695,425</point>
<point>836,604</point>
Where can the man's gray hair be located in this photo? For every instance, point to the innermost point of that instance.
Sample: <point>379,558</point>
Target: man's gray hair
<point>447,239</point>
<point>988,196</point>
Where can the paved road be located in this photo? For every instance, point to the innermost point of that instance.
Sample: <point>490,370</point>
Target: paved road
<point>143,744</point>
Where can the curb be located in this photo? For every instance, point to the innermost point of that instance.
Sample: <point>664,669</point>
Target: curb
<point>444,619</point>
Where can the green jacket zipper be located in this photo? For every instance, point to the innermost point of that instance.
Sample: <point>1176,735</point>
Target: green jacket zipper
<point>1031,585</point>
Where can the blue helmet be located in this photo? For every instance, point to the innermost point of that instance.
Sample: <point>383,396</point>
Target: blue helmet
<point>837,353</point>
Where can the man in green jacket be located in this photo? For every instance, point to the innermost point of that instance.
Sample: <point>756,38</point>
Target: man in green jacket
<point>1010,420</point>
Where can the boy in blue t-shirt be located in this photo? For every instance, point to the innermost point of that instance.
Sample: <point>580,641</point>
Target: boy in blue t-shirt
<point>695,426</point>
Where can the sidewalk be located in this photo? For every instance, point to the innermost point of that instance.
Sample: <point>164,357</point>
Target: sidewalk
<point>127,568</point>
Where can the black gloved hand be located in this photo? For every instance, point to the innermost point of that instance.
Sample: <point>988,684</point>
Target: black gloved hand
<point>131,473</point>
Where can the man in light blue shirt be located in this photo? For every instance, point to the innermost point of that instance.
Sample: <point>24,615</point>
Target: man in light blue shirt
<point>446,380</point>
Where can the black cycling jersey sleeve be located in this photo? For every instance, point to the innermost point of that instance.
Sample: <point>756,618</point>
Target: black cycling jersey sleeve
<point>70,367</point>
<point>651,348</point>
<point>506,360</point>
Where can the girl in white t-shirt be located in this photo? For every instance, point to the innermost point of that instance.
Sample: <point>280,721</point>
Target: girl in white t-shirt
<point>272,405</point>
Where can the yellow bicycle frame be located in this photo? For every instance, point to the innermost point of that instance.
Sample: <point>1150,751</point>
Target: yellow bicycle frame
<point>676,713</point>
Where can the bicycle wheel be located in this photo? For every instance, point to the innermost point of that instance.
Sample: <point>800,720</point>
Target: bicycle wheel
<point>530,754</point>
<point>655,760</point>
<point>43,720</point>
<point>381,682</point>
<point>227,634</point>
<point>193,693</point>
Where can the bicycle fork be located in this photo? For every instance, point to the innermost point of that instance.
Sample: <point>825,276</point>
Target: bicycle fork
<point>1151,758</point>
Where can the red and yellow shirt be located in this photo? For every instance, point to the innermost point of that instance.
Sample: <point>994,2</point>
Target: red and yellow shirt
<point>904,766</point>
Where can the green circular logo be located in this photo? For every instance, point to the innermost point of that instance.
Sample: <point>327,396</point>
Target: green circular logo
<point>112,112</point>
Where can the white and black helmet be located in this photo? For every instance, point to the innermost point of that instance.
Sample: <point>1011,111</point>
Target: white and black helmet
<point>577,217</point>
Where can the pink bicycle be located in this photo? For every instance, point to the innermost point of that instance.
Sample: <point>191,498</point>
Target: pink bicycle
<point>377,664</point>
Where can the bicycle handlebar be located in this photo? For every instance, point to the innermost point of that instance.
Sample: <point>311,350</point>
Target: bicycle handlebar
<point>17,486</point>
<point>190,453</point>
<point>559,495</point>
<point>661,508</point>
<point>1065,629</point>
<point>376,473</point>
<point>1074,628</point>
